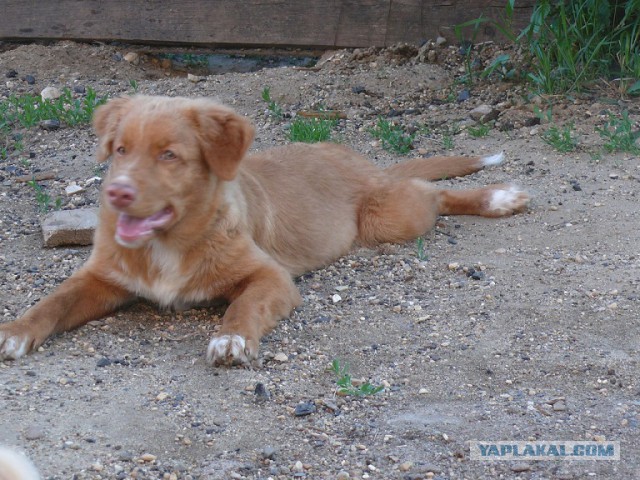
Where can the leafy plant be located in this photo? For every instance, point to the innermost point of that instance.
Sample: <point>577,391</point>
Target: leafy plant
<point>420,253</point>
<point>393,137</point>
<point>619,134</point>
<point>560,138</point>
<point>311,130</point>
<point>345,383</point>
<point>43,198</point>
<point>572,43</point>
<point>134,85</point>
<point>272,105</point>
<point>478,131</point>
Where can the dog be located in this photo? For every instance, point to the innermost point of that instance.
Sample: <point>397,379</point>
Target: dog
<point>187,216</point>
<point>14,466</point>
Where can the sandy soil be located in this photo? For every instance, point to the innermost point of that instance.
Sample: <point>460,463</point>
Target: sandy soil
<point>542,344</point>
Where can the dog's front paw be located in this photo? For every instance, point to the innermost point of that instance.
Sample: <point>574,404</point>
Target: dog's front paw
<point>231,350</point>
<point>506,200</point>
<point>14,343</point>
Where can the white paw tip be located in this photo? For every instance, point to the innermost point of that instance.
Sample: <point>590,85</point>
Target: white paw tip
<point>495,159</point>
<point>226,349</point>
<point>15,465</point>
<point>13,348</point>
<point>508,199</point>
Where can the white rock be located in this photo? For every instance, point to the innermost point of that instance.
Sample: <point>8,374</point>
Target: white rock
<point>342,288</point>
<point>70,227</point>
<point>72,189</point>
<point>50,93</point>
<point>336,298</point>
<point>281,357</point>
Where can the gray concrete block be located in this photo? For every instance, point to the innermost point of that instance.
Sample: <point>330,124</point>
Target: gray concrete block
<point>70,227</point>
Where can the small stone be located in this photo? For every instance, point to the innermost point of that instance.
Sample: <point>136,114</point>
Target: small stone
<point>463,95</point>
<point>342,288</point>
<point>304,409</point>
<point>195,78</point>
<point>50,125</point>
<point>440,41</point>
<point>453,266</point>
<point>50,93</point>
<point>342,475</point>
<point>423,391</point>
<point>405,466</point>
<point>336,298</point>
<point>133,58</point>
<point>148,457</point>
<point>79,89</point>
<point>261,392</point>
<point>12,74</point>
<point>268,452</point>
<point>73,189</point>
<point>614,176</point>
<point>162,396</point>
<point>521,467</point>
<point>484,113</point>
<point>97,467</point>
<point>30,79</point>
<point>281,357</point>
<point>559,406</point>
<point>500,250</point>
<point>34,432</point>
<point>103,362</point>
<point>298,467</point>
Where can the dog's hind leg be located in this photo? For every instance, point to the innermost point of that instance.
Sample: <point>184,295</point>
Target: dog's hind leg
<point>440,168</point>
<point>402,210</point>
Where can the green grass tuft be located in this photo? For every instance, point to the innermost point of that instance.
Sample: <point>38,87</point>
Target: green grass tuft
<point>311,130</point>
<point>345,385</point>
<point>393,137</point>
<point>619,134</point>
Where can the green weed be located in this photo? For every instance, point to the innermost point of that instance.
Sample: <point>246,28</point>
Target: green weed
<point>572,43</point>
<point>134,85</point>
<point>345,384</point>
<point>479,131</point>
<point>393,137</point>
<point>272,105</point>
<point>560,138</point>
<point>420,252</point>
<point>43,199</point>
<point>311,130</point>
<point>619,134</point>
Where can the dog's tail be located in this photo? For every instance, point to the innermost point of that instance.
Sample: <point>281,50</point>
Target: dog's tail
<point>14,466</point>
<point>440,168</point>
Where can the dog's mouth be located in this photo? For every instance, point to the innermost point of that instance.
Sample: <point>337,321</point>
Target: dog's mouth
<point>132,230</point>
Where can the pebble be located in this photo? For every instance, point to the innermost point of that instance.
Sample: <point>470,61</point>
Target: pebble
<point>148,457</point>
<point>50,125</point>
<point>298,467</point>
<point>34,432</point>
<point>305,408</point>
<point>73,189</point>
<point>521,467</point>
<point>50,93</point>
<point>12,74</point>
<point>268,452</point>
<point>30,79</point>
<point>405,466</point>
<point>336,298</point>
<point>261,392</point>
<point>132,57</point>
<point>281,357</point>
<point>342,475</point>
<point>79,89</point>
<point>162,396</point>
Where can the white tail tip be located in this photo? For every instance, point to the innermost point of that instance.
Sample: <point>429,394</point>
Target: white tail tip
<point>492,159</point>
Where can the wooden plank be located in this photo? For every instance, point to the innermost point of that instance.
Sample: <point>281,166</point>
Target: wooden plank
<point>318,23</point>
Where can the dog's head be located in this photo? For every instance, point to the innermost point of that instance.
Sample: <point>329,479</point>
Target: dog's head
<point>168,157</point>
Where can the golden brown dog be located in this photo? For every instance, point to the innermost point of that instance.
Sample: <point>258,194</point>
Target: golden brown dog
<point>186,217</point>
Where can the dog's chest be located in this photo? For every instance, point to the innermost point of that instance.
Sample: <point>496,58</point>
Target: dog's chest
<point>166,279</point>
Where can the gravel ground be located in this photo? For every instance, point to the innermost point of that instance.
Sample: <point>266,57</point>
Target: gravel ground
<point>523,328</point>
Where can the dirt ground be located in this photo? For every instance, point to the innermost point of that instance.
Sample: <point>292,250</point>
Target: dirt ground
<point>542,343</point>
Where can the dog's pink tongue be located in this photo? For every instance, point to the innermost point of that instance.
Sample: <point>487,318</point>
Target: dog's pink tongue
<point>131,228</point>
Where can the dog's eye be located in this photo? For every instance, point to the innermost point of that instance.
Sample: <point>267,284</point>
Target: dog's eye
<point>167,155</point>
<point>121,150</point>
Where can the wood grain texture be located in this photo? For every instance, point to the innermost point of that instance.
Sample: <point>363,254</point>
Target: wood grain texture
<point>318,23</point>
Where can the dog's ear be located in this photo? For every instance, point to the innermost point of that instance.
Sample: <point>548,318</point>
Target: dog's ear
<point>225,137</point>
<point>105,122</point>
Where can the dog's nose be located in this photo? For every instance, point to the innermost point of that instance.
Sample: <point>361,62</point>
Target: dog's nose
<point>120,196</point>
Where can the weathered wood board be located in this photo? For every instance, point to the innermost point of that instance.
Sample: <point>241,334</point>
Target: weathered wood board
<point>302,23</point>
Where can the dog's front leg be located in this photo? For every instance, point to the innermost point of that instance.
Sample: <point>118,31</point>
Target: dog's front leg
<point>82,297</point>
<point>257,304</point>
